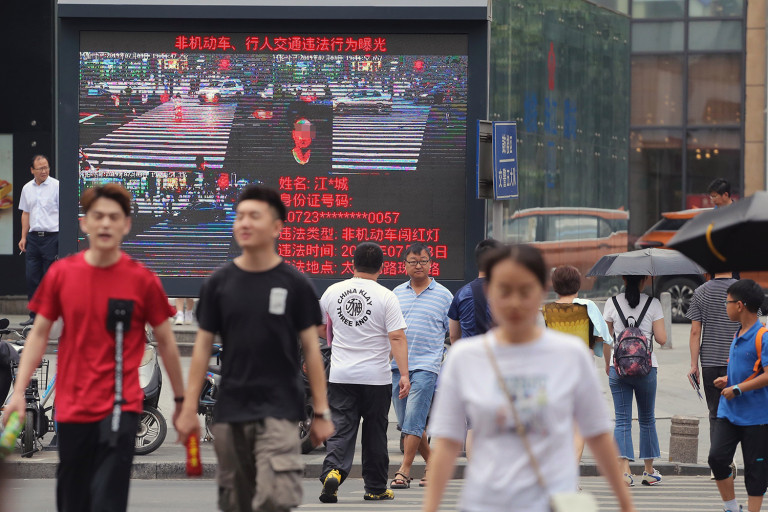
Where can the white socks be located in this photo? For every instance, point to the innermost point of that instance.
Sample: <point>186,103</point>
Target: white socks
<point>731,506</point>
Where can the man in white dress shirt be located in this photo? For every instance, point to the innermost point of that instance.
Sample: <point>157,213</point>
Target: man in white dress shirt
<point>39,224</point>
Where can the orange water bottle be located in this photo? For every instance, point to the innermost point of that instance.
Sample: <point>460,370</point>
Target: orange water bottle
<point>194,466</point>
<point>8,437</point>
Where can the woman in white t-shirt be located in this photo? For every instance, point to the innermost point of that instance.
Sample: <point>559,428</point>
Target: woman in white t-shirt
<point>546,373</point>
<point>643,388</point>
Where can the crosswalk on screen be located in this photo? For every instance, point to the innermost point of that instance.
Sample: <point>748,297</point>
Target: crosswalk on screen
<point>364,136</point>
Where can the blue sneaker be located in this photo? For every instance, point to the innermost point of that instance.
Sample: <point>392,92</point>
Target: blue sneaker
<point>651,478</point>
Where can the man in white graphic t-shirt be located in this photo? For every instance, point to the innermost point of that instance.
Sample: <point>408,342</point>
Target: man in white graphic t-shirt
<point>367,325</point>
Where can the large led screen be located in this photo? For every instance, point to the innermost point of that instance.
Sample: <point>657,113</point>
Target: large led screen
<point>364,135</point>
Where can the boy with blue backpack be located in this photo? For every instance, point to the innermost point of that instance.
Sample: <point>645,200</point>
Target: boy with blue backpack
<point>742,415</point>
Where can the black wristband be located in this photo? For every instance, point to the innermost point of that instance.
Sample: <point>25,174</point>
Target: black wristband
<point>178,399</point>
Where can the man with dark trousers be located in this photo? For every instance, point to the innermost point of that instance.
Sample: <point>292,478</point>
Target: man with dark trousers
<point>39,204</point>
<point>367,326</point>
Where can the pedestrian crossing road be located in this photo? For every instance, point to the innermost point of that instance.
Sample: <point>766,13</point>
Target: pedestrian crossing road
<point>676,493</point>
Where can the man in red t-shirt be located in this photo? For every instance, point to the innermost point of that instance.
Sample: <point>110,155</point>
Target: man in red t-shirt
<point>94,470</point>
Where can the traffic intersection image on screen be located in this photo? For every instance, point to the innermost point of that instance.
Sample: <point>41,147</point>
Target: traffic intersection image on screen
<point>363,144</point>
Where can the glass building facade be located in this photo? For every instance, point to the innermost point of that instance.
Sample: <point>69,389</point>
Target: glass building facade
<point>687,108</point>
<point>560,69</point>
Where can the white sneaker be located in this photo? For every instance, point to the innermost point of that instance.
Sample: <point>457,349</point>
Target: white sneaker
<point>188,317</point>
<point>651,478</point>
<point>179,319</point>
<point>629,480</point>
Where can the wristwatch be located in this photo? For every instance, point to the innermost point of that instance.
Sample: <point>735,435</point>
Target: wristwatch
<point>736,390</point>
<point>326,414</point>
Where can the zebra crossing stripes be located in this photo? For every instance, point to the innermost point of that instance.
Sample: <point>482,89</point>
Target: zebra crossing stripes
<point>674,494</point>
<point>159,140</point>
<point>379,142</point>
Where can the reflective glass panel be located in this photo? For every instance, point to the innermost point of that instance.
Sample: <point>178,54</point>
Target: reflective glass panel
<point>655,177</point>
<point>714,89</point>
<point>658,37</point>
<point>657,90</point>
<point>715,35</point>
<point>658,8</point>
<point>712,154</point>
<point>715,8</point>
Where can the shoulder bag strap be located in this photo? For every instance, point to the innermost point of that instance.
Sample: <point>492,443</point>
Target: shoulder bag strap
<point>518,424</point>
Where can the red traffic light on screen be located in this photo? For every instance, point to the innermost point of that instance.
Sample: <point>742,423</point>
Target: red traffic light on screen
<point>418,66</point>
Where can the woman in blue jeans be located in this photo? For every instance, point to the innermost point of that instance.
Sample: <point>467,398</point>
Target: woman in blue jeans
<point>632,303</point>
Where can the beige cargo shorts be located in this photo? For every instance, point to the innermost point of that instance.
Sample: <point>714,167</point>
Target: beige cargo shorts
<point>260,467</point>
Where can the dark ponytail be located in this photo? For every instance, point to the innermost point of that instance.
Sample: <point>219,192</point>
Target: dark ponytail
<point>632,289</point>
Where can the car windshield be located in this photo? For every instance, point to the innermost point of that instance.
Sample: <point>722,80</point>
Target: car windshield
<point>212,83</point>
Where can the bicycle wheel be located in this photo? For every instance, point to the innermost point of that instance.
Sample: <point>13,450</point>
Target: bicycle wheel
<point>151,432</point>
<point>28,436</point>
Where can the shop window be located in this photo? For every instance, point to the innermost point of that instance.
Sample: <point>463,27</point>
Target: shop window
<point>715,35</point>
<point>711,154</point>
<point>715,8</point>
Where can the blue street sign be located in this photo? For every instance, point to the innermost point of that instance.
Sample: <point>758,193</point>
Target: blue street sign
<point>505,160</point>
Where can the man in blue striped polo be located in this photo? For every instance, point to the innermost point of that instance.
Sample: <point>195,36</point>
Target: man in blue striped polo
<point>424,304</point>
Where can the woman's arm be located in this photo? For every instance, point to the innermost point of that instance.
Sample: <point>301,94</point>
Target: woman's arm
<point>441,465</point>
<point>659,332</point>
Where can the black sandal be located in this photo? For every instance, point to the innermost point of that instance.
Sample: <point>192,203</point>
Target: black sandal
<point>400,483</point>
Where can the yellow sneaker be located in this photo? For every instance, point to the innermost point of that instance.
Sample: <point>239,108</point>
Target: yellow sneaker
<point>386,495</point>
<point>331,487</point>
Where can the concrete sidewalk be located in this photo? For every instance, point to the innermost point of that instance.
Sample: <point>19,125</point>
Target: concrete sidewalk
<point>674,397</point>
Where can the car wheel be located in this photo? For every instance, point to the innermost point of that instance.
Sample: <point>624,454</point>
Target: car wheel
<point>681,289</point>
<point>305,426</point>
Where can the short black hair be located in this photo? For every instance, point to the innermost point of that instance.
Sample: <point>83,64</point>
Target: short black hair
<point>720,186</point>
<point>483,248</point>
<point>416,248</point>
<point>748,293</point>
<point>368,258</point>
<point>266,194</point>
<point>522,254</point>
<point>35,157</point>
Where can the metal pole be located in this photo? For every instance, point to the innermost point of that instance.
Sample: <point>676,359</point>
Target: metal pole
<point>666,308</point>
<point>498,220</point>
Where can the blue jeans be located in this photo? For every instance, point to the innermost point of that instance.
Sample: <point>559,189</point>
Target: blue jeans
<point>412,411</point>
<point>644,389</point>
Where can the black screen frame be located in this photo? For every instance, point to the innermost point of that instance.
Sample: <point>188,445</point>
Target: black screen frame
<point>449,20</point>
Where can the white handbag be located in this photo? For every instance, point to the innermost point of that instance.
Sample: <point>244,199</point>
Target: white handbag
<point>560,502</point>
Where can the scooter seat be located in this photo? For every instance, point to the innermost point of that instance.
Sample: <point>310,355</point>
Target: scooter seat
<point>215,368</point>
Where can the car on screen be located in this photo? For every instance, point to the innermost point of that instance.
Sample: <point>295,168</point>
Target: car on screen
<point>573,236</point>
<point>216,91</point>
<point>363,100</point>
<point>200,212</point>
<point>681,288</point>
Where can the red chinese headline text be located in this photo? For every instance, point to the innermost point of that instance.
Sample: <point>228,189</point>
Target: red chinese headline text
<point>305,44</point>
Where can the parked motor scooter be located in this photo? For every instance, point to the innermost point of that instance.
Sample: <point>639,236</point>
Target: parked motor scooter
<point>208,394</point>
<point>309,406</point>
<point>210,389</point>
<point>152,425</point>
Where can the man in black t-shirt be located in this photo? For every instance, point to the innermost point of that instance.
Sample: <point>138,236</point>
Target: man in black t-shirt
<point>260,306</point>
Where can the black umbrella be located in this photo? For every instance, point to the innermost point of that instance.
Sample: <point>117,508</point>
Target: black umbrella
<point>732,238</point>
<point>645,262</point>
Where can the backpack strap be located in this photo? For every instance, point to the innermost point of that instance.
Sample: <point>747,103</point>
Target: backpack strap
<point>645,310</point>
<point>481,307</point>
<point>758,369</point>
<point>620,312</point>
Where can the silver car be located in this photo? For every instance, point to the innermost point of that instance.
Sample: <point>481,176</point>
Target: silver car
<point>364,99</point>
